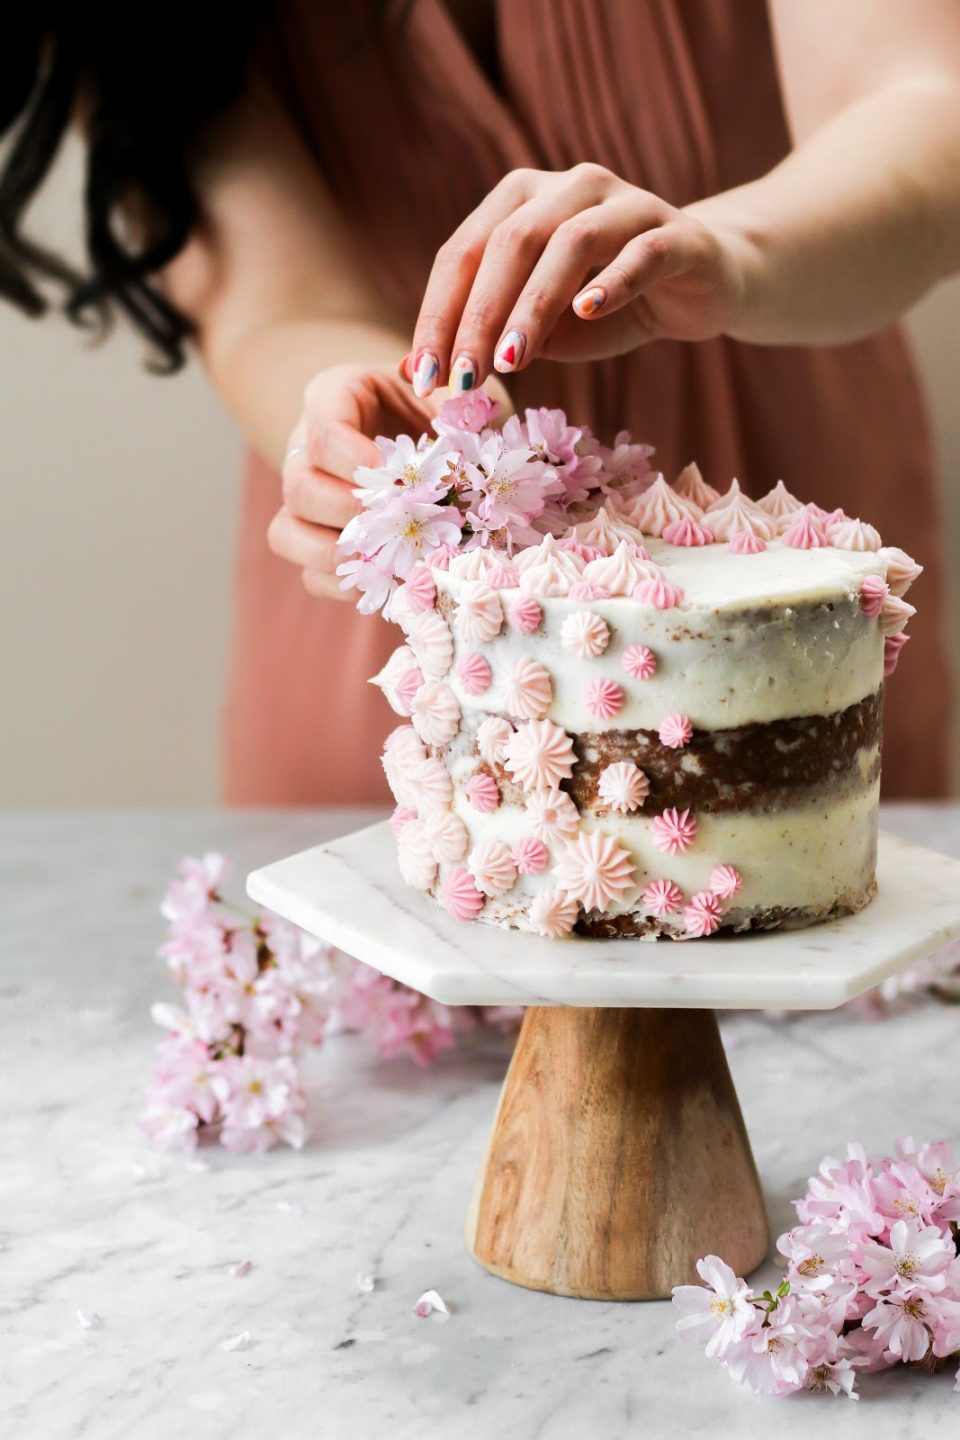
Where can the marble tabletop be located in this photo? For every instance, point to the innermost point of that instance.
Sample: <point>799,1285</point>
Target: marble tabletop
<point>91,1220</point>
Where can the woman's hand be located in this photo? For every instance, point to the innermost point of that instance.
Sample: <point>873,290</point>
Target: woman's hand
<point>343,409</point>
<point>572,265</point>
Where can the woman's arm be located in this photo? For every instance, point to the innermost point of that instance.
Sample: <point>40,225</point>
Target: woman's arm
<point>272,283</point>
<point>859,220</point>
<point>864,215</point>
<point>297,342</point>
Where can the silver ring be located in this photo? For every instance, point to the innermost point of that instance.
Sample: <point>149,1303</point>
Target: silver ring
<point>291,455</point>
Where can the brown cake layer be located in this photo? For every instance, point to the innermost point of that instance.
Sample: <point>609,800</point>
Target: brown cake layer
<point>761,767</point>
<point>765,766</point>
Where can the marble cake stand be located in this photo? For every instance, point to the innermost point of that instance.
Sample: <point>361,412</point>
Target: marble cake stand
<point>618,1153</point>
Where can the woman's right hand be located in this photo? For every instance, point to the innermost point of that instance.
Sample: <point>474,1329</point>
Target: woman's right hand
<point>344,408</point>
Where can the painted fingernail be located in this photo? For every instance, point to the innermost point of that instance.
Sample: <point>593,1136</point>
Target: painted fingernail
<point>425,373</point>
<point>463,376</point>
<point>403,368</point>
<point>590,301</point>
<point>510,351</point>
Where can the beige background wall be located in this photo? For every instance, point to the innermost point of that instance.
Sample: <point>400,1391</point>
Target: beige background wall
<point>119,498</point>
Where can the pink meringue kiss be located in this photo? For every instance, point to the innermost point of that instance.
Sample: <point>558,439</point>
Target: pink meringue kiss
<point>474,673</point>
<point>702,916</point>
<point>553,913</point>
<point>586,633</point>
<point>604,698</point>
<point>639,662</point>
<point>746,543</point>
<point>687,531</point>
<point>525,614</point>
<point>460,895</point>
<point>658,593</point>
<point>595,869</point>
<point>663,897</point>
<point>894,614</point>
<point>420,590</point>
<point>530,856</point>
<point>623,786</point>
<point>407,687</point>
<point>902,569</point>
<point>401,816</point>
<point>578,547</point>
<point>483,792</point>
<point>891,652</point>
<point>502,577</point>
<point>675,731</point>
<point>674,831</point>
<point>493,868</point>
<point>873,592</point>
<point>805,532</point>
<point>440,557</point>
<point>584,590</point>
<point>725,881</point>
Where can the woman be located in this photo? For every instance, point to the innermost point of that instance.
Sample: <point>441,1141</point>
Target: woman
<point>693,220</point>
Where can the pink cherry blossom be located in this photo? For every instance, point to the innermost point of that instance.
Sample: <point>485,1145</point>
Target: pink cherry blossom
<point>473,411</point>
<point>772,1359</point>
<point>915,1258</point>
<point>901,1323</point>
<point>860,1294</point>
<point>719,1311</point>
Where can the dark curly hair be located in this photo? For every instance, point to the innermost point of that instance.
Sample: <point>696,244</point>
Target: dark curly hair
<point>145,81</point>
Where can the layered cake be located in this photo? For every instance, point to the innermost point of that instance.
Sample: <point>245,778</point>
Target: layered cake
<point>662,721</point>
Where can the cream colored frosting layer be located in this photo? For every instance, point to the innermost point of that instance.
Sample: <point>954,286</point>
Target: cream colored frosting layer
<point>744,647</point>
<point>805,858</point>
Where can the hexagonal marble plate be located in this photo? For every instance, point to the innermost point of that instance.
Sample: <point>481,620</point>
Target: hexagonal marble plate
<point>350,893</point>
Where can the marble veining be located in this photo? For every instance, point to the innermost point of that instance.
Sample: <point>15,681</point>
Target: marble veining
<point>350,892</point>
<point>92,1220</point>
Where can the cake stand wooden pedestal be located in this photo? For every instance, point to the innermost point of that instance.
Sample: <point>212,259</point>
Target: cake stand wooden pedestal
<point>618,1154</point>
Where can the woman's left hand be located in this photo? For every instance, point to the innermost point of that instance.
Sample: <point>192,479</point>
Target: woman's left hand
<point>573,265</point>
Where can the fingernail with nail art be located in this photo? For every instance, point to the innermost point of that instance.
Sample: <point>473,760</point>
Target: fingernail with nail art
<point>425,373</point>
<point>590,301</point>
<point>510,351</point>
<point>463,375</point>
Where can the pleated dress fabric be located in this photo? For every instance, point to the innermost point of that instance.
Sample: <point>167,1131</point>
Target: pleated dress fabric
<point>680,97</point>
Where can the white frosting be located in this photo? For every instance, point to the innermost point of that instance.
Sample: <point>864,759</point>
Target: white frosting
<point>754,639</point>
<point>798,858</point>
<point>717,662</point>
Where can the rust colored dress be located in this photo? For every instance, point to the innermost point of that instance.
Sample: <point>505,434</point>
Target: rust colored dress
<point>680,97</point>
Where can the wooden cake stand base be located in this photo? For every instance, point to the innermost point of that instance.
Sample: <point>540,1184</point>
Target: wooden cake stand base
<point>618,1157</point>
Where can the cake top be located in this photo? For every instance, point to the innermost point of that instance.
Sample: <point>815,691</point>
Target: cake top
<point>543,508</point>
<point>708,575</point>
